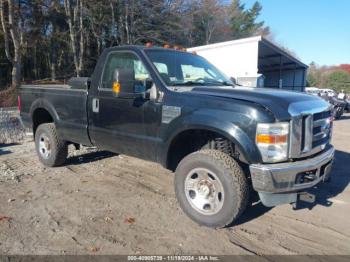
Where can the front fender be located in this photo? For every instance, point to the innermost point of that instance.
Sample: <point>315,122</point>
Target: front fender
<point>234,126</point>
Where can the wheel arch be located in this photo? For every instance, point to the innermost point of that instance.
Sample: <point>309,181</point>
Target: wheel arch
<point>42,112</point>
<point>226,130</point>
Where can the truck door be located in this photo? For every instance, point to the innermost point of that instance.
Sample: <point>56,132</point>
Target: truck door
<point>117,124</point>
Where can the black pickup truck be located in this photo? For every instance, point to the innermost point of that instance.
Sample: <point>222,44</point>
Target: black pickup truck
<point>175,108</point>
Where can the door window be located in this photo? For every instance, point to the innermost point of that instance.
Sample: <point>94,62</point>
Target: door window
<point>123,60</point>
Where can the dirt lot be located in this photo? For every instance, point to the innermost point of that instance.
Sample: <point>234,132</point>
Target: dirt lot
<point>102,203</point>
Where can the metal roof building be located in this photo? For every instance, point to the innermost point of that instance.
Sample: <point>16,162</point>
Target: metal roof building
<point>256,62</point>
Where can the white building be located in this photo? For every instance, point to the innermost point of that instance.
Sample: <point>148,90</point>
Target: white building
<point>256,62</point>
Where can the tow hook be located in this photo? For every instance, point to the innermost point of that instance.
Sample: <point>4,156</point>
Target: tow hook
<point>305,197</point>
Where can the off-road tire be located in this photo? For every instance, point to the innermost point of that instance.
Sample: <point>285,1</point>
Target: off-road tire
<point>230,174</point>
<point>59,147</point>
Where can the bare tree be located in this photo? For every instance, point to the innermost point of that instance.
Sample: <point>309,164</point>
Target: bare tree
<point>74,13</point>
<point>67,36</point>
<point>209,13</point>
<point>11,30</point>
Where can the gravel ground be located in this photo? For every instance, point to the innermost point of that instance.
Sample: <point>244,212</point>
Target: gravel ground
<point>11,129</point>
<point>101,203</point>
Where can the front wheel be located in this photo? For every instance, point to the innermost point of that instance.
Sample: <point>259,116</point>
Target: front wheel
<point>52,150</point>
<point>211,188</point>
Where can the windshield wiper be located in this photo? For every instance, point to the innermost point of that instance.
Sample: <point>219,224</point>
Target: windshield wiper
<point>194,83</point>
<point>189,83</point>
<point>215,82</point>
<point>224,83</point>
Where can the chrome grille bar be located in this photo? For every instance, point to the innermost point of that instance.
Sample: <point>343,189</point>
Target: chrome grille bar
<point>319,136</point>
<point>307,127</point>
<point>308,133</point>
<point>321,122</point>
<point>295,137</point>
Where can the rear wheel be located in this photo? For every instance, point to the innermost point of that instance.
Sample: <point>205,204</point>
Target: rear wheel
<point>211,188</point>
<point>52,150</point>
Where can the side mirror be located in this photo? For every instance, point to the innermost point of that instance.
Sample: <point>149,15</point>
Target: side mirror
<point>125,85</point>
<point>234,81</point>
<point>123,81</point>
<point>148,84</point>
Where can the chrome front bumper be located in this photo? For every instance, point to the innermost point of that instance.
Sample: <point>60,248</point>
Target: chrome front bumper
<point>283,177</point>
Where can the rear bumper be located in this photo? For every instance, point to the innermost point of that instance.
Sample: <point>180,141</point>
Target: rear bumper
<point>291,177</point>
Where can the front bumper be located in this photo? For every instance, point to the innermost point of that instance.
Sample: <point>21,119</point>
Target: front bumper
<point>275,180</point>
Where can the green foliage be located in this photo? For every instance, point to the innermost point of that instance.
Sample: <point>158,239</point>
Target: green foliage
<point>311,80</point>
<point>243,22</point>
<point>339,80</point>
<point>335,77</point>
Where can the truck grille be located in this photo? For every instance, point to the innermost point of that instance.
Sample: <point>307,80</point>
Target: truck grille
<point>322,126</point>
<point>310,133</point>
<point>316,132</point>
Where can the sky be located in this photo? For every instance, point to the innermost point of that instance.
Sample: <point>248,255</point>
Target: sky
<point>316,30</point>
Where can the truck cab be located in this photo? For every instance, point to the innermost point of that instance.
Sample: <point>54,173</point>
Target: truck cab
<point>175,108</point>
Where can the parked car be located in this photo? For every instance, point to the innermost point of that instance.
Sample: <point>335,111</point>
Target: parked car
<point>329,92</point>
<point>338,105</point>
<point>312,91</point>
<point>177,109</point>
<point>347,107</point>
<point>343,97</point>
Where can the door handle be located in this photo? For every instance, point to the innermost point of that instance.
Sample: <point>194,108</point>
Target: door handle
<point>95,105</point>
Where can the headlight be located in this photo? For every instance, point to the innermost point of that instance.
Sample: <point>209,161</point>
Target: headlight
<point>272,141</point>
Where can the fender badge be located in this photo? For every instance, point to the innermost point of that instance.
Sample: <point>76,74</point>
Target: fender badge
<point>169,113</point>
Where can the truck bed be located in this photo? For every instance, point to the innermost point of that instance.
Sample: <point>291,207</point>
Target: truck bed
<point>66,103</point>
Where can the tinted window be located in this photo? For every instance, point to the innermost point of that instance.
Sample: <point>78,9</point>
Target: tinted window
<point>123,60</point>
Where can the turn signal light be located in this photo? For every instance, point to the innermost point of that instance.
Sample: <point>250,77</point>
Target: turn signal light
<point>271,139</point>
<point>116,87</point>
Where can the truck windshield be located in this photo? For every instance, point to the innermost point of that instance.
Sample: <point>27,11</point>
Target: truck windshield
<point>185,69</point>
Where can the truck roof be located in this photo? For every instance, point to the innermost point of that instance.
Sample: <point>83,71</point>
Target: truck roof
<point>142,47</point>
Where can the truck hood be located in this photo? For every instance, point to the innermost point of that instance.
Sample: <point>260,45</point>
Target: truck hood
<point>282,103</point>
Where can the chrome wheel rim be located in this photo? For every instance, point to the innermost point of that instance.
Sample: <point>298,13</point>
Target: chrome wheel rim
<point>204,191</point>
<point>44,146</point>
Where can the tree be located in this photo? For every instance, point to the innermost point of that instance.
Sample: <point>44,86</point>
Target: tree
<point>328,77</point>
<point>208,16</point>
<point>5,66</point>
<point>243,22</point>
<point>339,80</point>
<point>52,40</point>
<point>313,77</point>
<point>311,80</point>
<point>74,14</point>
<point>13,34</point>
<point>54,28</point>
<point>345,67</point>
